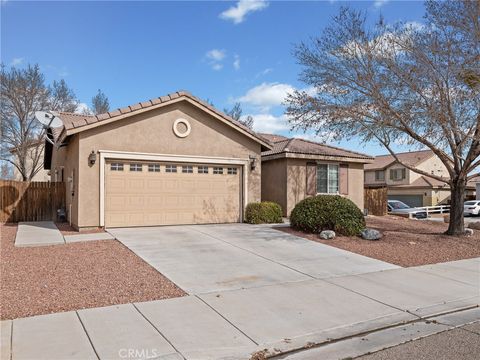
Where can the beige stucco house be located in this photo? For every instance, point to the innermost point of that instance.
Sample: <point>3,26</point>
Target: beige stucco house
<point>296,168</point>
<point>34,158</point>
<point>169,160</point>
<point>408,186</point>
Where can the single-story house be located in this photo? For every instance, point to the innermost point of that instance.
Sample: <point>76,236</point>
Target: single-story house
<point>296,168</point>
<point>170,160</point>
<point>403,184</point>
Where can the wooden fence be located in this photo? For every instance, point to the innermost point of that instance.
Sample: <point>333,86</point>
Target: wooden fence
<point>376,200</point>
<point>30,201</point>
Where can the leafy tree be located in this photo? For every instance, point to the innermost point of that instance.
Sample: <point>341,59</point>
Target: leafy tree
<point>236,113</point>
<point>418,84</point>
<point>23,91</point>
<point>100,103</point>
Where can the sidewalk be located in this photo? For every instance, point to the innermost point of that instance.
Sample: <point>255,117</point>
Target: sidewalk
<point>234,324</point>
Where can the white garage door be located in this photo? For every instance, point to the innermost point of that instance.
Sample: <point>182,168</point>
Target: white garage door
<point>144,194</point>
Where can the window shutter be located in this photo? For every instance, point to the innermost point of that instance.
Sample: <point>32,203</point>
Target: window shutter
<point>403,173</point>
<point>391,174</point>
<point>311,179</point>
<point>343,179</point>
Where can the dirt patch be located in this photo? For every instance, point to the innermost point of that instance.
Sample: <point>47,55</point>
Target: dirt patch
<point>406,242</point>
<point>66,229</point>
<point>48,279</point>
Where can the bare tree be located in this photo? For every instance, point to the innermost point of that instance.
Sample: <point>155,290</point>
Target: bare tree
<point>417,84</point>
<point>23,91</point>
<point>100,103</point>
<point>236,113</point>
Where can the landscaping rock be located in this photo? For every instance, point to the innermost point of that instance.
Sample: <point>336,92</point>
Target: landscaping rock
<point>468,232</point>
<point>371,234</point>
<point>474,225</point>
<point>327,235</point>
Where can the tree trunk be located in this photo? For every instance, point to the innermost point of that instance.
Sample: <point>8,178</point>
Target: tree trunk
<point>456,225</point>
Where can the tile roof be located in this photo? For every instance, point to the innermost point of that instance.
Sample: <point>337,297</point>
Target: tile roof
<point>273,137</point>
<point>73,121</point>
<point>428,182</point>
<point>306,147</point>
<point>413,158</point>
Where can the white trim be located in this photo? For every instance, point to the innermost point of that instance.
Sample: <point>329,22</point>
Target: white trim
<point>124,155</point>
<point>187,125</point>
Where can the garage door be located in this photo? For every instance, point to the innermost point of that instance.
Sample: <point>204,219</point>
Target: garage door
<point>144,194</point>
<point>410,200</point>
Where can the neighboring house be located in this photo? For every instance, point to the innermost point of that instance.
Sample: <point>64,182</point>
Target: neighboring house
<point>408,186</point>
<point>478,190</point>
<point>42,174</point>
<point>170,160</point>
<point>295,169</point>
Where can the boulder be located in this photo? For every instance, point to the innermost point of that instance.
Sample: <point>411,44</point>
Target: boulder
<point>327,235</point>
<point>468,232</point>
<point>474,225</point>
<point>371,234</point>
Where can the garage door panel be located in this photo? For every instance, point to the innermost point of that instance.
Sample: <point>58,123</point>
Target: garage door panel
<point>143,198</point>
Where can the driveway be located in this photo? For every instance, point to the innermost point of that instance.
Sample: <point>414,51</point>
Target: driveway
<point>208,258</point>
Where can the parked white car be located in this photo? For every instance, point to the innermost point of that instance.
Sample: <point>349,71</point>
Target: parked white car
<point>471,207</point>
<point>398,207</point>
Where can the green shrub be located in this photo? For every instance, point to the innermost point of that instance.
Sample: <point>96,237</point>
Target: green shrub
<point>265,212</point>
<point>327,212</point>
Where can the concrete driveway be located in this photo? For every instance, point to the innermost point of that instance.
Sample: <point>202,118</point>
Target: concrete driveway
<point>208,258</point>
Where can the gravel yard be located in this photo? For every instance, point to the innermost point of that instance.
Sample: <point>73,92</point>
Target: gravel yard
<point>47,279</point>
<point>406,242</point>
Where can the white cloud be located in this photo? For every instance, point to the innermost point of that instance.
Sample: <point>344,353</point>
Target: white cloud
<point>380,3</point>
<point>83,108</point>
<point>268,123</point>
<point>238,12</point>
<point>236,62</point>
<point>215,58</point>
<point>267,95</point>
<point>17,61</point>
<point>216,54</point>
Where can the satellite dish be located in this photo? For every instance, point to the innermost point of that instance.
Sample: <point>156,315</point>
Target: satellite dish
<point>48,120</point>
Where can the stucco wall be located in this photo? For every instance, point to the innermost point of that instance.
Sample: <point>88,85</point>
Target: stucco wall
<point>151,132</point>
<point>478,191</point>
<point>41,175</point>
<point>273,188</point>
<point>67,157</point>
<point>296,182</point>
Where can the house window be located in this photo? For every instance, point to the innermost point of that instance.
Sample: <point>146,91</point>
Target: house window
<point>187,169</point>
<point>114,167</point>
<point>153,167</point>
<point>218,170</point>
<point>232,171</point>
<point>397,174</point>
<point>135,167</point>
<point>327,179</point>
<point>202,169</point>
<point>171,168</point>
<point>379,175</point>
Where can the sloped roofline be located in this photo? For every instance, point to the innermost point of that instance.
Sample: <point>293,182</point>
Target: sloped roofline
<point>395,161</point>
<point>86,122</point>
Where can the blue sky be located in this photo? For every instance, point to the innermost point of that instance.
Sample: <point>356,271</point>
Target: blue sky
<point>218,50</point>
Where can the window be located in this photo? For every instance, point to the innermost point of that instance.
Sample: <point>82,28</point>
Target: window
<point>135,167</point>
<point>171,168</point>
<point>232,171</point>
<point>153,167</point>
<point>397,174</point>
<point>202,169</point>
<point>218,170</point>
<point>188,169</point>
<point>379,175</point>
<point>327,178</point>
<point>115,167</point>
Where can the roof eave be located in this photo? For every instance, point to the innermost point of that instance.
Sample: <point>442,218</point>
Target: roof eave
<point>315,157</point>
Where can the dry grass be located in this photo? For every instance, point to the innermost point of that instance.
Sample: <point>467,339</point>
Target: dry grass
<point>406,242</point>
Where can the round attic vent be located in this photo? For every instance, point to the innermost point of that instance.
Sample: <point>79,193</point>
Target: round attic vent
<point>181,128</point>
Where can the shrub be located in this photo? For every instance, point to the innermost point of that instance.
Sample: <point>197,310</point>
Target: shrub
<point>265,212</point>
<point>327,212</point>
